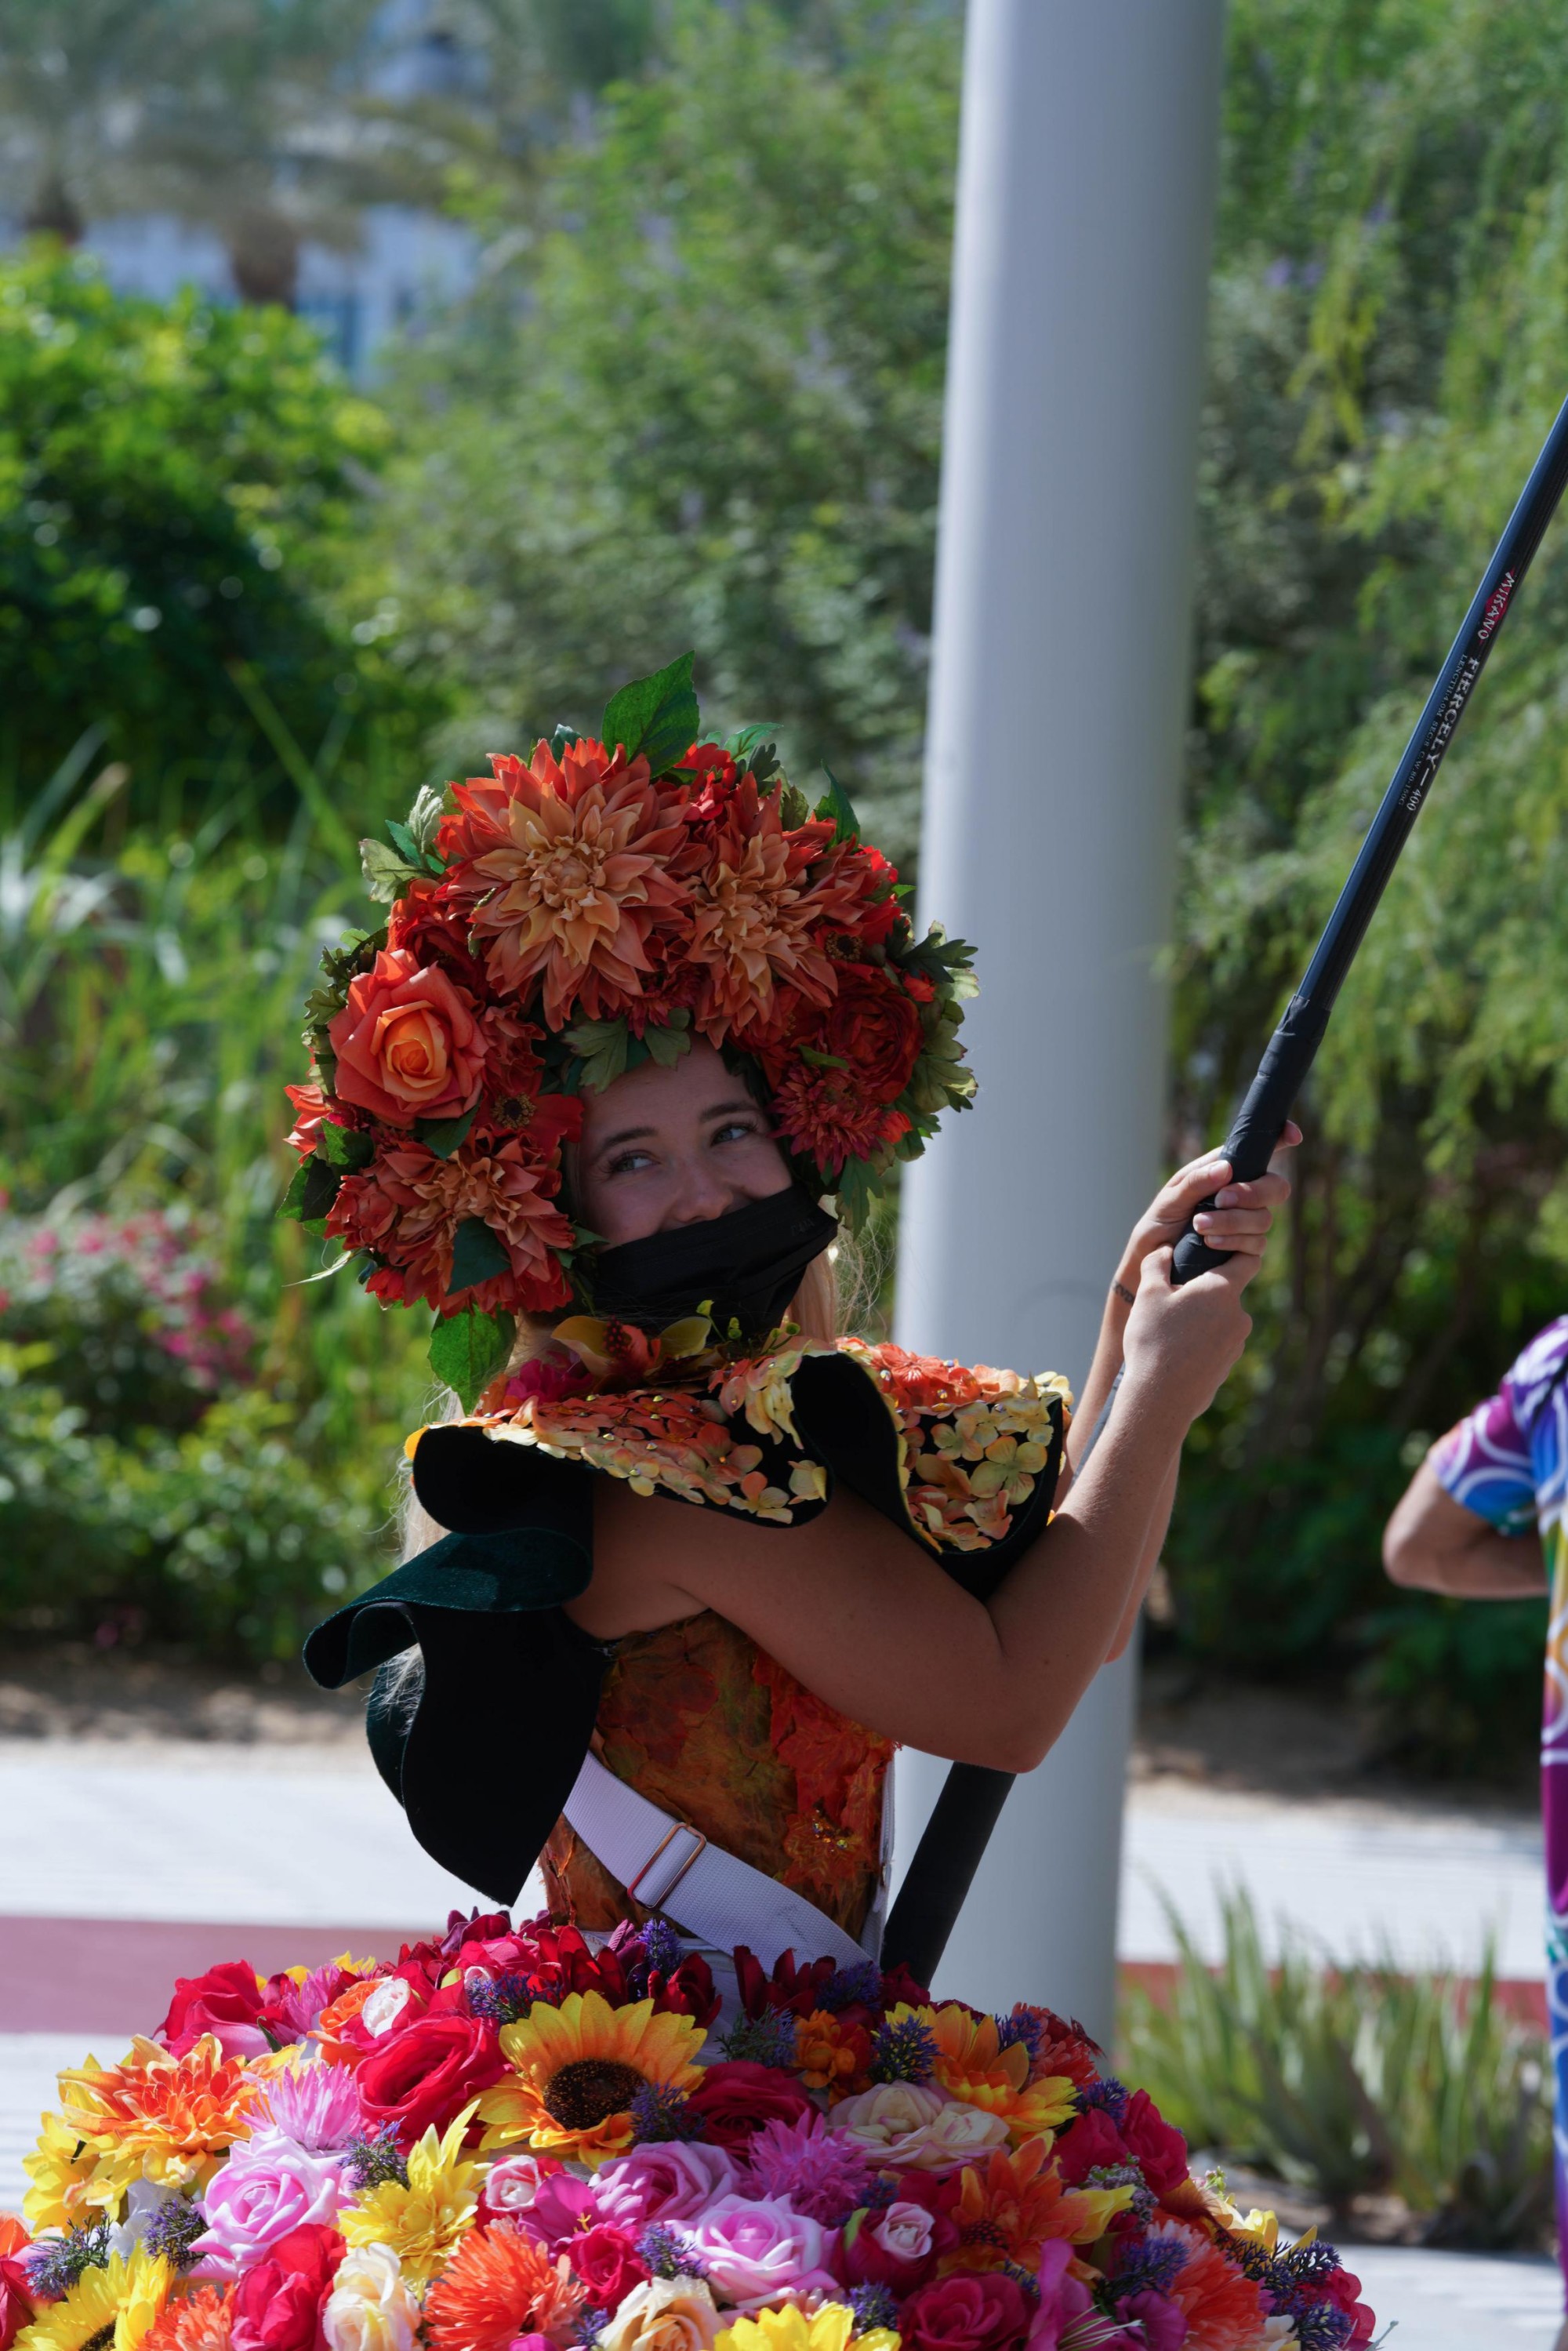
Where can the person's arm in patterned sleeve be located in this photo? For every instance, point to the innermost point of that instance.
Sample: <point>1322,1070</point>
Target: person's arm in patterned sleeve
<point>1465,1523</point>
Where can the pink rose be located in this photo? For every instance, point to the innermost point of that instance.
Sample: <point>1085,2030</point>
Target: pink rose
<point>267,2189</point>
<point>511,2185</point>
<point>606,2262</point>
<point>407,1042</point>
<point>674,2181</point>
<point>761,2253</point>
<point>965,2314</point>
<point>896,2247</point>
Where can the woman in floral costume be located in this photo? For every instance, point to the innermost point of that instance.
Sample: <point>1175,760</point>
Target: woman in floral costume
<point>685,1567</point>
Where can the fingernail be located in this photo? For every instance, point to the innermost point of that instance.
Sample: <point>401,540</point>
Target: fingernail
<point>1203,1222</point>
<point>1226,1199</point>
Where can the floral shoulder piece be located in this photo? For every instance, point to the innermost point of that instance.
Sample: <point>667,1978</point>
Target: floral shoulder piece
<point>758,1434</point>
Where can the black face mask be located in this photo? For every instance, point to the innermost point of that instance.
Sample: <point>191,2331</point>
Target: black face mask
<point>747,1263</point>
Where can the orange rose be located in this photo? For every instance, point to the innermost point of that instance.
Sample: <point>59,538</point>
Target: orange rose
<point>407,1043</point>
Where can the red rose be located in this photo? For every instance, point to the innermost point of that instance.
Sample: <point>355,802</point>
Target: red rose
<point>965,2314</point>
<point>426,2074</point>
<point>738,2097</point>
<point>227,2002</point>
<point>1087,2143</point>
<point>277,2307</point>
<point>1157,2145</point>
<point>407,1042</point>
<point>1344,2291</point>
<point>605,2259</point>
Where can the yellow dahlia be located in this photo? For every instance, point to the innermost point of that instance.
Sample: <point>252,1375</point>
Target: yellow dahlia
<point>830,2328</point>
<point>159,2117</point>
<point>116,2306</point>
<point>424,2223</point>
<point>67,2185</point>
<point>971,2064</point>
<point>575,2070</point>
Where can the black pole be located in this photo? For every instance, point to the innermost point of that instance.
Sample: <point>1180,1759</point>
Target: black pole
<point>1292,1048</point>
<point>950,1851</point>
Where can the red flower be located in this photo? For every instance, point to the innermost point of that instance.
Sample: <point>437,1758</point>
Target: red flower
<point>227,2001</point>
<point>897,2247</point>
<point>1344,2291</point>
<point>277,2307</point>
<point>827,1116</point>
<point>1153,2143</point>
<point>310,1109</point>
<point>738,2097</point>
<point>871,1025</point>
<point>605,2259</point>
<point>408,1205</point>
<point>798,1988</point>
<point>988,2313</point>
<point>1087,2143</point>
<point>16,2303</point>
<point>424,2075</point>
<point>408,1042</point>
<point>430,925</point>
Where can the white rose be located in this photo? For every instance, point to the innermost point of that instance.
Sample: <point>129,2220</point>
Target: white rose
<point>370,2308</point>
<point>917,2129</point>
<point>665,2314</point>
<point>385,2005</point>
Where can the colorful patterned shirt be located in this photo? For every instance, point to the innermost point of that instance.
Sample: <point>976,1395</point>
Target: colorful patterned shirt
<point>1507,1462</point>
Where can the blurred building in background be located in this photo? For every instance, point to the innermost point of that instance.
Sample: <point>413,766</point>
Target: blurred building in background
<point>374,265</point>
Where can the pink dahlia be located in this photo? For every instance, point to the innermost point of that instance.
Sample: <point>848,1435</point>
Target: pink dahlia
<point>817,2171</point>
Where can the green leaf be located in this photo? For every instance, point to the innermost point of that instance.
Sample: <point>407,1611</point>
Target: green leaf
<point>835,802</point>
<point>467,1349</point>
<point>741,745</point>
<point>344,1147</point>
<point>794,808</point>
<point>444,1135</point>
<point>311,1194</point>
<point>820,1060</point>
<point>385,871</point>
<point>479,1254</point>
<point>402,839</point>
<point>424,822</point>
<point>325,1275</point>
<point>601,1046</point>
<point>565,736</point>
<point>666,1045</point>
<point>656,716</point>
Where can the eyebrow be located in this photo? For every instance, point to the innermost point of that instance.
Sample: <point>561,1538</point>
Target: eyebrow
<point>641,1134</point>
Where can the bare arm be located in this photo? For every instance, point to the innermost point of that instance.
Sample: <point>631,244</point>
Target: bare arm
<point>1434,1544</point>
<point>850,1607</point>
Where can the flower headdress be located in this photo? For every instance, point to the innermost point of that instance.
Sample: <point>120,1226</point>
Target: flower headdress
<point>568,918</point>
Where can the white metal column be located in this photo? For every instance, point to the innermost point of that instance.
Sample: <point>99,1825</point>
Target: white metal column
<point>1063,632</point>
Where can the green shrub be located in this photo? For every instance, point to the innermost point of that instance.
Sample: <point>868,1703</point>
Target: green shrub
<point>1354,2081</point>
<point>182,493</point>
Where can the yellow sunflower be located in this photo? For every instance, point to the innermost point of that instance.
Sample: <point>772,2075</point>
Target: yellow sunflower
<point>108,2309</point>
<point>971,2064</point>
<point>830,2328</point>
<point>575,2070</point>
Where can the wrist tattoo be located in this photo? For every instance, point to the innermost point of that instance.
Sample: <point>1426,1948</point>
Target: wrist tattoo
<point>1120,1290</point>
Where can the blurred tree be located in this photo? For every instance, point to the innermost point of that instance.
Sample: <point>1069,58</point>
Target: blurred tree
<point>704,405</point>
<point>1388,355</point>
<point>182,491</point>
<point>71,77</point>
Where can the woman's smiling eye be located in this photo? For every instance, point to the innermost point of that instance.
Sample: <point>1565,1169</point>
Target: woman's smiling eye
<point>734,1130</point>
<point>626,1162</point>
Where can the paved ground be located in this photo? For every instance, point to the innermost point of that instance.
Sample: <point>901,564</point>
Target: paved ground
<point>124,1864</point>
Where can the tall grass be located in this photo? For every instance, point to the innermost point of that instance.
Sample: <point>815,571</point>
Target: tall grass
<point>1354,2081</point>
<point>149,1012</point>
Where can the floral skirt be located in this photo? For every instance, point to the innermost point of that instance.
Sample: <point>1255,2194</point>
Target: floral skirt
<point>509,2138</point>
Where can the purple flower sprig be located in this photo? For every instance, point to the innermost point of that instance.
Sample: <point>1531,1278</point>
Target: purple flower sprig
<point>855,1987</point>
<point>1146,2266</point>
<point>873,2305</point>
<point>56,2263</point>
<point>669,2253</point>
<point>660,2114</point>
<point>903,2052</point>
<point>172,2230</point>
<point>498,2000</point>
<point>377,2159</point>
<point>1109,2094</point>
<point>765,2040</point>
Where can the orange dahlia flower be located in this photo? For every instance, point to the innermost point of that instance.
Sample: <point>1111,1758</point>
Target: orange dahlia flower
<point>201,2320</point>
<point>566,864</point>
<point>1011,2208</point>
<point>499,2285</point>
<point>168,2119</point>
<point>756,911</point>
<point>972,2064</point>
<point>409,1204</point>
<point>1223,2308</point>
<point>831,2054</point>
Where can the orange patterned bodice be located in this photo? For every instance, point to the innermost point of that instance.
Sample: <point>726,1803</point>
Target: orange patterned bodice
<point>701,1721</point>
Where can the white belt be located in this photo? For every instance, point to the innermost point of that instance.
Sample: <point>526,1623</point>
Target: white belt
<point>711,1893</point>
